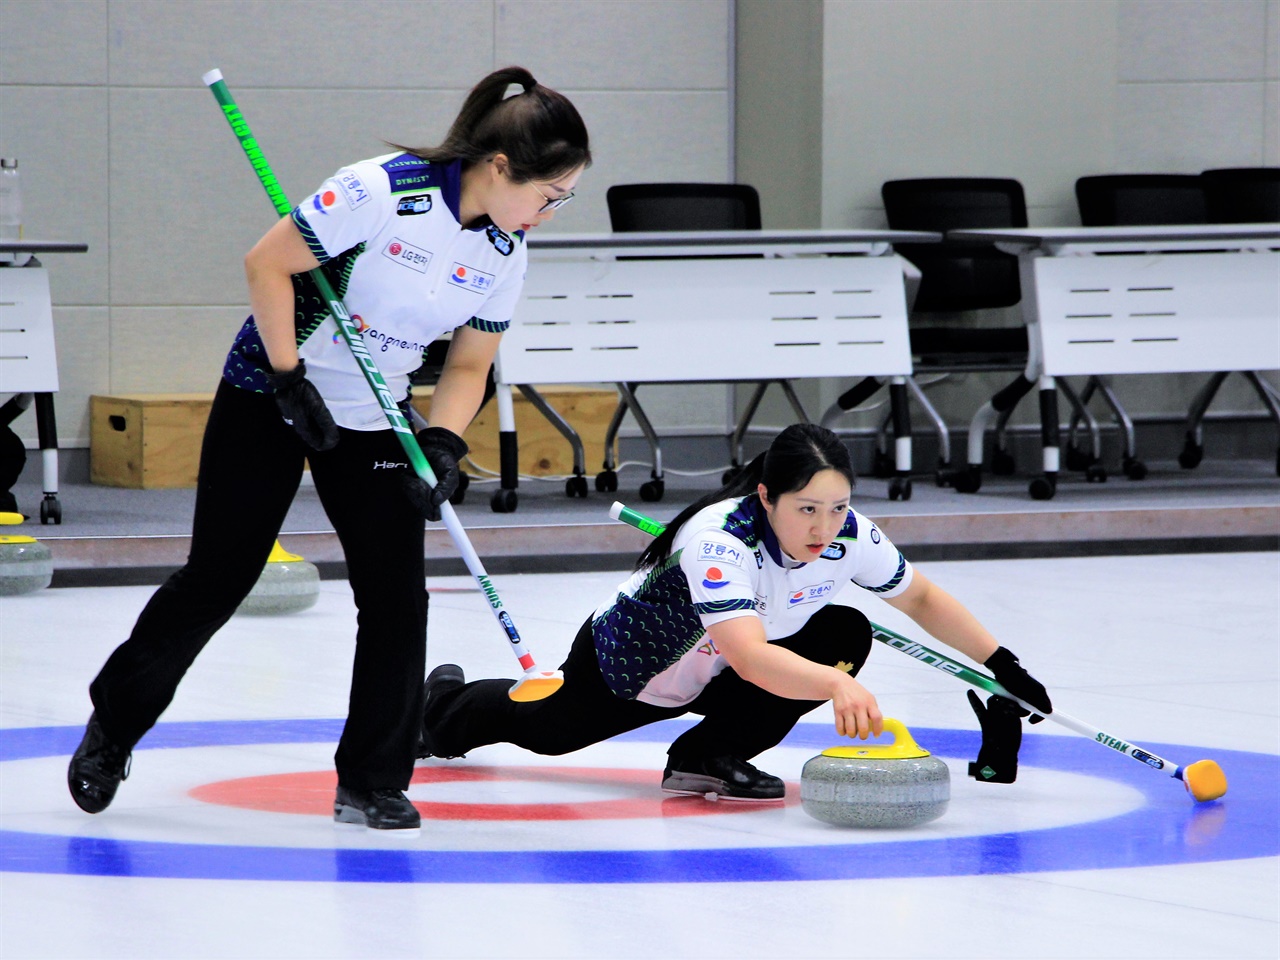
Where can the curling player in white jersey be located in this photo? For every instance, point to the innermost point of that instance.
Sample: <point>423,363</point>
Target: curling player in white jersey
<point>729,615</point>
<point>418,243</point>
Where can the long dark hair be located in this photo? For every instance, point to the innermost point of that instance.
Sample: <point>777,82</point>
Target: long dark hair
<point>539,130</point>
<point>796,454</point>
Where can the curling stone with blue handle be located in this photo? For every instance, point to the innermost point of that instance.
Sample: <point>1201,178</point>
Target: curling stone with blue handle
<point>878,785</point>
<point>288,584</point>
<point>26,565</point>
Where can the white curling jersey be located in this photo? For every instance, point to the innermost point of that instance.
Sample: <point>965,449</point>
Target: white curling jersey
<point>651,639</point>
<point>388,235</point>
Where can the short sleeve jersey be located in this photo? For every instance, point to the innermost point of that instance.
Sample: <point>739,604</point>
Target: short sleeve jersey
<point>388,236</point>
<point>651,639</point>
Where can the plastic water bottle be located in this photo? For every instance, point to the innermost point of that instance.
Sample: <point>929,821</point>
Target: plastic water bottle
<point>10,208</point>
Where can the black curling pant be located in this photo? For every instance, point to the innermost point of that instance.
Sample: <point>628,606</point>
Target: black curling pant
<point>739,718</point>
<point>250,466</point>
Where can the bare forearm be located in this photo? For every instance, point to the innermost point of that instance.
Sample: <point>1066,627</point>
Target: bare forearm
<point>457,398</point>
<point>946,618</point>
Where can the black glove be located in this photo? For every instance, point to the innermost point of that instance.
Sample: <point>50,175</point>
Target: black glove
<point>1010,675</point>
<point>303,408</point>
<point>443,449</point>
<point>1001,721</point>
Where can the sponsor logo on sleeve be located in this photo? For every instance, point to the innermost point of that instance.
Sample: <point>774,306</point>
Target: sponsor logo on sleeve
<point>810,594</point>
<point>712,552</point>
<point>469,278</point>
<point>875,534</point>
<point>324,200</point>
<point>353,189</point>
<point>407,255</point>
<point>412,206</point>
<point>501,242</point>
<point>715,578</point>
<point>834,551</point>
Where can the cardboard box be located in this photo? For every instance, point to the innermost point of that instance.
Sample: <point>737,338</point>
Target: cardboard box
<point>147,441</point>
<point>543,451</point>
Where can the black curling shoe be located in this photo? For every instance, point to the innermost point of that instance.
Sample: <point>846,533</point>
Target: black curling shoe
<point>726,777</point>
<point>96,769</point>
<point>376,809</point>
<point>444,677</point>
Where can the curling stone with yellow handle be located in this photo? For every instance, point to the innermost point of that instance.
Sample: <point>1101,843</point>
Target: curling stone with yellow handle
<point>26,565</point>
<point>895,784</point>
<point>288,584</point>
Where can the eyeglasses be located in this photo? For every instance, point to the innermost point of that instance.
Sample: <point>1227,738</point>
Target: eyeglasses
<point>555,204</point>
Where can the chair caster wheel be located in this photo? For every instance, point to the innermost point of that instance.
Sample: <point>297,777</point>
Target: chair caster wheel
<point>1095,473</point>
<point>1043,488</point>
<point>651,492</point>
<point>503,501</point>
<point>1002,464</point>
<point>460,494</point>
<point>576,487</point>
<point>968,480</point>
<point>900,488</point>
<point>1191,455</point>
<point>1133,469</point>
<point>50,510</point>
<point>606,481</point>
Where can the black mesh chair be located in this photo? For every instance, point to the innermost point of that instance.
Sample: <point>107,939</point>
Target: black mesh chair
<point>955,277</point>
<point>1242,194</point>
<point>1141,199</point>
<point>1130,199</point>
<point>1234,195</point>
<point>664,207</point>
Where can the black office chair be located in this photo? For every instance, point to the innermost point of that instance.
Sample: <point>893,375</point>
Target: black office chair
<point>1141,199</point>
<point>959,276</point>
<point>1130,199</point>
<point>1234,195</point>
<point>1242,194</point>
<point>664,207</point>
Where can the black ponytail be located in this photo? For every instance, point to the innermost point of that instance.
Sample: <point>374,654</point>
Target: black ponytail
<point>794,456</point>
<point>539,130</point>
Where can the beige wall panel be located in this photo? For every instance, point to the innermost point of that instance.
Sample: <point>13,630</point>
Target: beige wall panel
<point>81,336</point>
<point>1273,40</point>
<point>639,44</point>
<point>170,349</point>
<point>301,43</point>
<point>53,41</point>
<point>1191,39</point>
<point>1271,125</point>
<point>645,138</point>
<point>59,135</point>
<point>1188,127</point>
<point>181,224</point>
<point>916,88</point>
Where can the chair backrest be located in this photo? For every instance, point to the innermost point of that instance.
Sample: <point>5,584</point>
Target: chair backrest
<point>1141,199</point>
<point>958,276</point>
<point>1243,194</point>
<point>683,206</point>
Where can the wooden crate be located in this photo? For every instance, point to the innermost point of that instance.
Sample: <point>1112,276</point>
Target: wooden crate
<point>543,452</point>
<point>147,441</point>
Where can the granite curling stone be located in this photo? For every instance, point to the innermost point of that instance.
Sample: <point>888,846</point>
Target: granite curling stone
<point>26,565</point>
<point>288,584</point>
<point>879,785</point>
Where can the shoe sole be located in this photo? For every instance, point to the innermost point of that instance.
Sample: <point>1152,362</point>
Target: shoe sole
<point>343,813</point>
<point>712,788</point>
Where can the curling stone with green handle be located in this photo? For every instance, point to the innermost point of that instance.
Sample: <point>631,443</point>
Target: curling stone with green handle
<point>26,565</point>
<point>288,584</point>
<point>877,785</point>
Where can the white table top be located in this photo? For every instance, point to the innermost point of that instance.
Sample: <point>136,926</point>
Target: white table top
<point>1063,236</point>
<point>740,241</point>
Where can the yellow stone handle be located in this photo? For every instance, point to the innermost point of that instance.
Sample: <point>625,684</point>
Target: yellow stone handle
<point>902,748</point>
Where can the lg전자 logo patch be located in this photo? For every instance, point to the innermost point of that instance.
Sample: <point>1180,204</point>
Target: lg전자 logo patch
<point>407,255</point>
